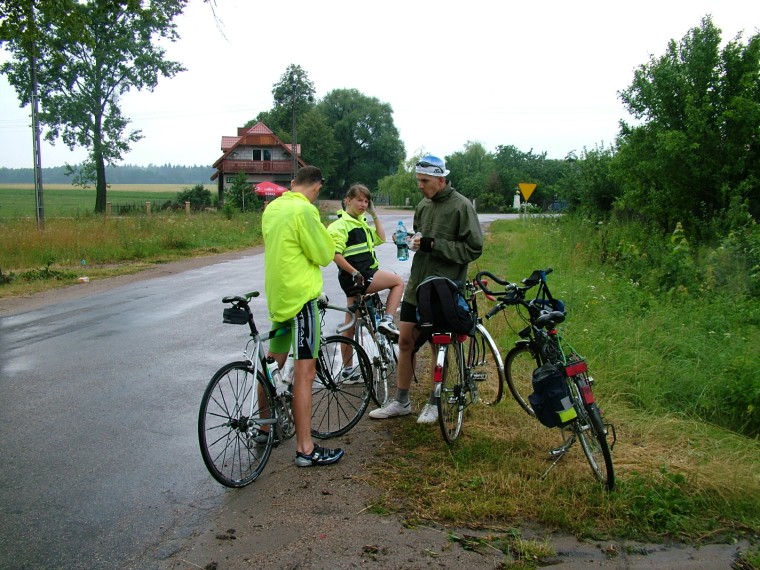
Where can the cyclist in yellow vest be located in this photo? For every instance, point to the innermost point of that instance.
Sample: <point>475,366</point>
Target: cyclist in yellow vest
<point>296,245</point>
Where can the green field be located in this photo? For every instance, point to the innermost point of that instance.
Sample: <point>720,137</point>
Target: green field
<point>18,200</point>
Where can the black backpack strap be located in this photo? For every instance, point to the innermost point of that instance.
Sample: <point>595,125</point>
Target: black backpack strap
<point>447,299</point>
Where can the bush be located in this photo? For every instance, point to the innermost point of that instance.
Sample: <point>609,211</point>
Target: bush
<point>198,197</point>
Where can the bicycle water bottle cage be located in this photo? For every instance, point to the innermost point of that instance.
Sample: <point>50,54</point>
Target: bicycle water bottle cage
<point>549,319</point>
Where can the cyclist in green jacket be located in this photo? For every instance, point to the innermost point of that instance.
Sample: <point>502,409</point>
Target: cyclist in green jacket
<point>296,245</point>
<point>448,238</point>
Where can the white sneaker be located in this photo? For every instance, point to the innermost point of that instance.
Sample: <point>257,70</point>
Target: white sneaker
<point>387,328</point>
<point>429,414</point>
<point>391,410</point>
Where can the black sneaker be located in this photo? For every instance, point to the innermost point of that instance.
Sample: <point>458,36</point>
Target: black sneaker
<point>318,456</point>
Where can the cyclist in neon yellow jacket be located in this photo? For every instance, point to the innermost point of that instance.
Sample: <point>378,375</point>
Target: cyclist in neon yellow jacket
<point>296,244</point>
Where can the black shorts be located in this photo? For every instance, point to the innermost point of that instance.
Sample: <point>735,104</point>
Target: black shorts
<point>408,313</point>
<point>347,282</point>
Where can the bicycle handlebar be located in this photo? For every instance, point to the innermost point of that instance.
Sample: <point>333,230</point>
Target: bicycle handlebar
<point>484,286</point>
<point>344,327</point>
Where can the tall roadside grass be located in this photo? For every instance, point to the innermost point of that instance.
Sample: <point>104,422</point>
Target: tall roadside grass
<point>668,375</point>
<point>103,246</point>
<point>19,201</point>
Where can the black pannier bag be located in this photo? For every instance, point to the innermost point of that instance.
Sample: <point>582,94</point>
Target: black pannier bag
<point>551,397</point>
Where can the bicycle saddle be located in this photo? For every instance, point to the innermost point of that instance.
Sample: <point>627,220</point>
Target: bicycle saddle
<point>549,318</point>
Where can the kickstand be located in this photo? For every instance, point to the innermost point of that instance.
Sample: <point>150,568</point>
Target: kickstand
<point>559,452</point>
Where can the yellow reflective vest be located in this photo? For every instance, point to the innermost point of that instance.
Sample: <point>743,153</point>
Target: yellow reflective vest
<point>296,244</point>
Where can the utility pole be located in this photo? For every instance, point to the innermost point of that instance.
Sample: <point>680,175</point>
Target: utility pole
<point>36,145</point>
<point>294,145</point>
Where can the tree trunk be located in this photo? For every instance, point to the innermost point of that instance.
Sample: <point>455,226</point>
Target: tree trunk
<point>100,168</point>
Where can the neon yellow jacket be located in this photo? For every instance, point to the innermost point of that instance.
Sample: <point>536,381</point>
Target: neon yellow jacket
<point>296,244</point>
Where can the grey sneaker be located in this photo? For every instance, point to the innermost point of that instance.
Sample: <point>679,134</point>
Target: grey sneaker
<point>263,437</point>
<point>352,375</point>
<point>387,328</point>
<point>391,410</point>
<point>429,414</point>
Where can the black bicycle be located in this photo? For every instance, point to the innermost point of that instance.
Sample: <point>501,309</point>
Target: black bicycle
<point>548,378</point>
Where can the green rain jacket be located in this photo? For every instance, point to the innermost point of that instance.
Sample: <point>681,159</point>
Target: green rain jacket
<point>296,244</point>
<point>451,221</point>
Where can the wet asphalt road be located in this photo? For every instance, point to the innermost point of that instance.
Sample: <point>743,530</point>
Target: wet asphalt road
<point>98,438</point>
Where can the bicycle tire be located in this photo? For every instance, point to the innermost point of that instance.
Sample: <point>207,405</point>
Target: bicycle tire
<point>337,406</point>
<point>520,363</point>
<point>485,366</point>
<point>589,429</point>
<point>383,355</point>
<point>452,397</point>
<point>228,426</point>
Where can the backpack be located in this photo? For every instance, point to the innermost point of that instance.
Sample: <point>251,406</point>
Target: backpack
<point>441,307</point>
<point>550,399</point>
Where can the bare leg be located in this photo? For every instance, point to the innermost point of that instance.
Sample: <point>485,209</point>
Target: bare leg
<point>305,372</point>
<point>405,370</point>
<point>395,285</point>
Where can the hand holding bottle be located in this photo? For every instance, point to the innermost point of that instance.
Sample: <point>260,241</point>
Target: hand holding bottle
<point>414,241</point>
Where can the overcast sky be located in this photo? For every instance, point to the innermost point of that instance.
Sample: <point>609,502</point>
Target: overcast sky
<point>540,76</point>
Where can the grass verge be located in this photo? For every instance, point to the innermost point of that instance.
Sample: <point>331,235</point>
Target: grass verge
<point>679,475</point>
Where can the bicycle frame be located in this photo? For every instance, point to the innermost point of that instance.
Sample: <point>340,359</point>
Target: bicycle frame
<point>382,351</point>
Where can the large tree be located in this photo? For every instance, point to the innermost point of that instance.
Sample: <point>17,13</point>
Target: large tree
<point>370,146</point>
<point>88,54</point>
<point>696,147</point>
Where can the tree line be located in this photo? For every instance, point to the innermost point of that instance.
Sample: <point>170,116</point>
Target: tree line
<point>123,174</point>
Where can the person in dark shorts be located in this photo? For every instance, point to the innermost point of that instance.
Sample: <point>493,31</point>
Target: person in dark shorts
<point>296,247</point>
<point>358,269</point>
<point>447,239</point>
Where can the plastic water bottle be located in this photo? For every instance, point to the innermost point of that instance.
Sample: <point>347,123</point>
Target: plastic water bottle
<point>288,371</point>
<point>274,372</point>
<point>402,248</point>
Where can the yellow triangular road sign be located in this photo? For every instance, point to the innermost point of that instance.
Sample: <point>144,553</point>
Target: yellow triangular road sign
<point>526,189</point>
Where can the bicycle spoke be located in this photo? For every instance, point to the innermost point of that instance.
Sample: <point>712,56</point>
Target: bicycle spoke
<point>227,436</point>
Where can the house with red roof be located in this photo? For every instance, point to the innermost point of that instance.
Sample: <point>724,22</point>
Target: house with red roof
<point>257,152</point>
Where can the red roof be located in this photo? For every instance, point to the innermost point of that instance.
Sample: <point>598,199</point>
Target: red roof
<point>229,142</point>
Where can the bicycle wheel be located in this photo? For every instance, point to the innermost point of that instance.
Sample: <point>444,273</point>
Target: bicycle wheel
<point>452,397</point>
<point>383,355</point>
<point>519,366</point>
<point>589,428</point>
<point>485,366</point>
<point>338,403</point>
<point>233,410</point>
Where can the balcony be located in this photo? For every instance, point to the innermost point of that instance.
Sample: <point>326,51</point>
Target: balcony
<point>257,166</point>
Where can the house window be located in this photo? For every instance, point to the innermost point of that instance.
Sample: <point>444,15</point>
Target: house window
<point>262,154</point>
